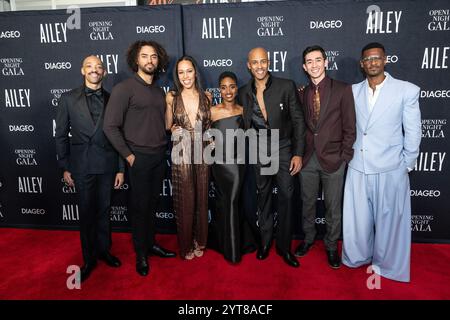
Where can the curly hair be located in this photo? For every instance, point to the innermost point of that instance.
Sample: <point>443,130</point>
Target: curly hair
<point>135,48</point>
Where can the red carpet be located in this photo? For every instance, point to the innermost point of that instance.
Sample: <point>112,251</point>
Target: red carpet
<point>33,265</point>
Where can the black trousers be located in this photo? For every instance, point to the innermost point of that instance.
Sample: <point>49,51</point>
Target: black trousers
<point>332,184</point>
<point>146,177</point>
<point>94,201</point>
<point>264,185</point>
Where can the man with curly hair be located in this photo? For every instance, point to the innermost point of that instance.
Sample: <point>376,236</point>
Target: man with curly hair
<point>135,125</point>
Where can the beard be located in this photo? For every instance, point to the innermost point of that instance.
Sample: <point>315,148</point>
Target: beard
<point>375,72</point>
<point>149,69</point>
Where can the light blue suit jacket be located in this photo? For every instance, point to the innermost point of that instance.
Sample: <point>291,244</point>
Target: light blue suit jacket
<point>389,136</point>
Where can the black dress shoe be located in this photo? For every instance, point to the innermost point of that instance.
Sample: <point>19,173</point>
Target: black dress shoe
<point>159,251</point>
<point>302,249</point>
<point>86,270</point>
<point>263,252</point>
<point>110,260</point>
<point>289,258</point>
<point>333,259</point>
<point>142,266</point>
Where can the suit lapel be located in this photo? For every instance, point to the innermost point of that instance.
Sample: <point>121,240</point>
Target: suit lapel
<point>99,121</point>
<point>382,103</point>
<point>248,107</point>
<point>307,108</point>
<point>323,107</point>
<point>84,112</point>
<point>361,104</point>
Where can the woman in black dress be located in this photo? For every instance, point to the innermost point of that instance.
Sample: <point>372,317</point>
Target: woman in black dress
<point>226,224</point>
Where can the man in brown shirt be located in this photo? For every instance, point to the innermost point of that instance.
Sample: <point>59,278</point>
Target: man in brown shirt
<point>135,125</point>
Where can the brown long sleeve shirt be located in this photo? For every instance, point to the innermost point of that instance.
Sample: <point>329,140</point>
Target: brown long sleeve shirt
<point>135,117</point>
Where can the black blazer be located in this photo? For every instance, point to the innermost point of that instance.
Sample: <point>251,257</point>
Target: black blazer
<point>283,111</point>
<point>88,150</point>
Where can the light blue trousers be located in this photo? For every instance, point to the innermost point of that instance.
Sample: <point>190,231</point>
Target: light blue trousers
<point>377,222</point>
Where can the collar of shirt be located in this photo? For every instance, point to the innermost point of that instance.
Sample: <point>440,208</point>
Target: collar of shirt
<point>88,91</point>
<point>372,95</point>
<point>268,83</point>
<point>141,81</point>
<point>378,86</point>
<point>325,82</point>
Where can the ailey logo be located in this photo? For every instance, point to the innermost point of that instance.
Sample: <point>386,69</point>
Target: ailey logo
<point>101,30</point>
<point>29,184</point>
<point>217,28</point>
<point>110,62</point>
<point>433,128</point>
<point>435,58</point>
<point>11,66</point>
<point>440,20</point>
<point>25,157</point>
<point>430,161</point>
<point>382,21</point>
<point>53,32</point>
<point>70,212</point>
<point>277,60</point>
<point>166,189</point>
<point>270,26</point>
<point>17,98</point>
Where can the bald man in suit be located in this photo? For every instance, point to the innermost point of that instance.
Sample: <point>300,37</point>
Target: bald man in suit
<point>89,162</point>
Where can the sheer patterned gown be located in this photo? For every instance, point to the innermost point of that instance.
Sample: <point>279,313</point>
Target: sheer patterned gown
<point>190,183</point>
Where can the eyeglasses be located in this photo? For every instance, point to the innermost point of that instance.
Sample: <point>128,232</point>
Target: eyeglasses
<point>372,59</point>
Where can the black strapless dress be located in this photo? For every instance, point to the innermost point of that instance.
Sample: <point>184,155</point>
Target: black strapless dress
<point>226,220</point>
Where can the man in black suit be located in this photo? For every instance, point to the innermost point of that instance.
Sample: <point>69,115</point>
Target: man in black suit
<point>271,103</point>
<point>89,162</point>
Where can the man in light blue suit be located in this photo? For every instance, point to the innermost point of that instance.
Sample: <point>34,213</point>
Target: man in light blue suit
<point>377,205</point>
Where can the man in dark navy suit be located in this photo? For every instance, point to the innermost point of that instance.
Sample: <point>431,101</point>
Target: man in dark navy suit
<point>89,162</point>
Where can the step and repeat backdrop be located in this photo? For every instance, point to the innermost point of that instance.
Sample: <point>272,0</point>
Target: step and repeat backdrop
<point>41,53</point>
